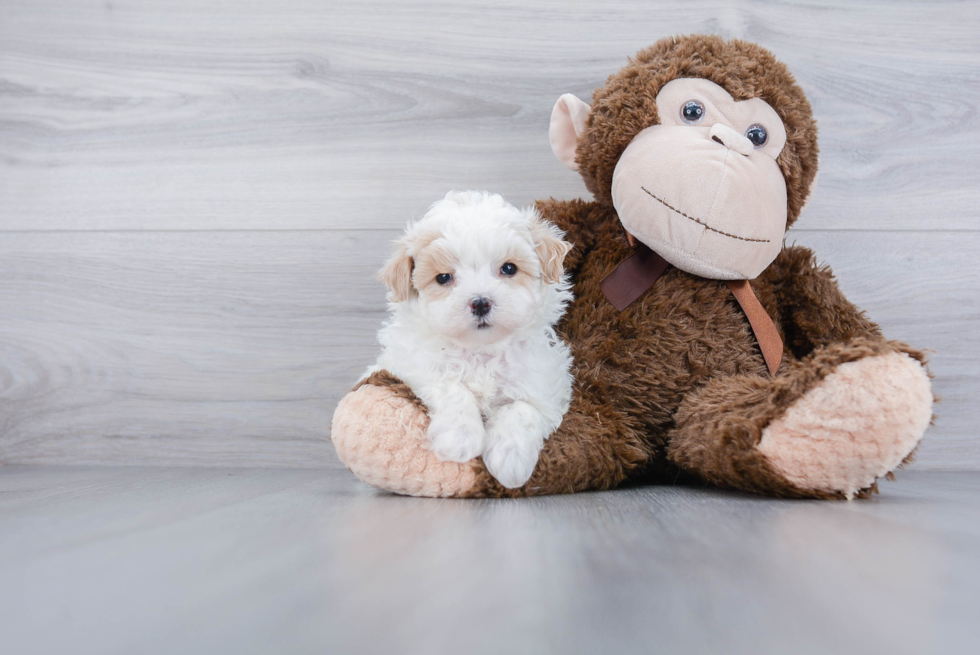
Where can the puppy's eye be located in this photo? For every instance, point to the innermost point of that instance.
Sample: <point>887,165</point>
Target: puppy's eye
<point>509,269</point>
<point>757,135</point>
<point>444,278</point>
<point>692,112</point>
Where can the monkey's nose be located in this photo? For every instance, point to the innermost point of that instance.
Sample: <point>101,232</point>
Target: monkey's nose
<point>731,139</point>
<point>480,306</point>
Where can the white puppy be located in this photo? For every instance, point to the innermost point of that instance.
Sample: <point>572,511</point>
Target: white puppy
<point>475,288</point>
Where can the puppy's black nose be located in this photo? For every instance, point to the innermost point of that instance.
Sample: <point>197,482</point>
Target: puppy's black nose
<point>480,307</point>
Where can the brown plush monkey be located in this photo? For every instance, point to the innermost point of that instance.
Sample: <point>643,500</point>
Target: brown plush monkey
<point>700,153</point>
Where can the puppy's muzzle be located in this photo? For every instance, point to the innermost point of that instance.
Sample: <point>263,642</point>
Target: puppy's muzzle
<point>480,306</point>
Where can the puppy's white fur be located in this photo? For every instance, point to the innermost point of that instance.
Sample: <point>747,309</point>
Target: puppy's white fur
<point>495,384</point>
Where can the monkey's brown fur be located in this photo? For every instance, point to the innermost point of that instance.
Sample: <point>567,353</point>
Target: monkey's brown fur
<point>675,387</point>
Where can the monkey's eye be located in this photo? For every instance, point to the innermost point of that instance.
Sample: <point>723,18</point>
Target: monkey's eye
<point>509,269</point>
<point>444,278</point>
<point>757,135</point>
<point>692,112</point>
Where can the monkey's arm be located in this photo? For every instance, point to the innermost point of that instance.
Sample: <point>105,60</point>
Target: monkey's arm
<point>379,431</point>
<point>814,311</point>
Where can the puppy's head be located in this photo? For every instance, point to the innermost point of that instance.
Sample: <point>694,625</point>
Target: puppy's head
<point>476,267</point>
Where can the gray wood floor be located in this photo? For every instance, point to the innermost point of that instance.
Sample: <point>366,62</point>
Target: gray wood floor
<point>196,560</point>
<point>194,196</point>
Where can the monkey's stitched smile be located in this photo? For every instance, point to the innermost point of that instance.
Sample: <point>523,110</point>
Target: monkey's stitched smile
<point>699,221</point>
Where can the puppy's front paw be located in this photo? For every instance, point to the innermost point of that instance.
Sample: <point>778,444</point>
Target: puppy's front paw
<point>510,462</point>
<point>456,439</point>
<point>515,435</point>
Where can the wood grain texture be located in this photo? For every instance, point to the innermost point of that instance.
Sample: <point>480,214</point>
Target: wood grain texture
<point>191,347</point>
<point>232,348</point>
<point>159,560</point>
<point>164,114</point>
<point>194,196</point>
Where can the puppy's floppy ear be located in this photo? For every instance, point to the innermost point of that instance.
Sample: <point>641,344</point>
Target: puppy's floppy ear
<point>397,272</point>
<point>548,246</point>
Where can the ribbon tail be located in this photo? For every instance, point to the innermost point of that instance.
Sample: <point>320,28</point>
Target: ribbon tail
<point>770,343</point>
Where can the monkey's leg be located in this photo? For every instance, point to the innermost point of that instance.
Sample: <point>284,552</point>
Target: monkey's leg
<point>379,431</point>
<point>827,427</point>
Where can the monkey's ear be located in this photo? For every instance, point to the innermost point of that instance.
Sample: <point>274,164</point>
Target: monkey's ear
<point>397,273</point>
<point>549,247</point>
<point>568,120</point>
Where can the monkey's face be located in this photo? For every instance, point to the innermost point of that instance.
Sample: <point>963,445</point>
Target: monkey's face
<point>703,188</point>
<point>707,180</point>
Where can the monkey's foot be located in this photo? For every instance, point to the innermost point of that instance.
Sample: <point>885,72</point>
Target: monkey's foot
<point>858,424</point>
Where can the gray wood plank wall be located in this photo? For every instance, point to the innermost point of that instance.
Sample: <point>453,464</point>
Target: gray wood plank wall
<point>194,196</point>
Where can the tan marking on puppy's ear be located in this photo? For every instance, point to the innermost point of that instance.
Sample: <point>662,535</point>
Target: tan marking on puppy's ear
<point>397,272</point>
<point>549,247</point>
<point>568,119</point>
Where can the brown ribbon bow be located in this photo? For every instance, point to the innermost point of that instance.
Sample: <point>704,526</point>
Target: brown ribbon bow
<point>637,273</point>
